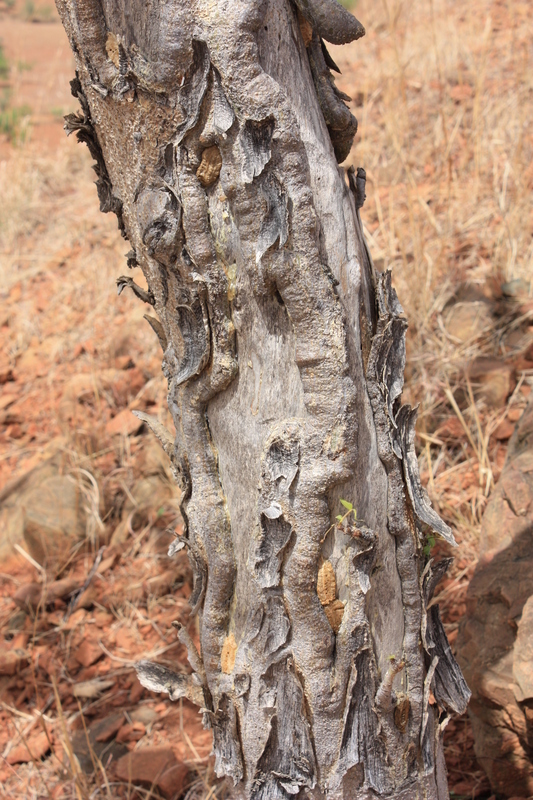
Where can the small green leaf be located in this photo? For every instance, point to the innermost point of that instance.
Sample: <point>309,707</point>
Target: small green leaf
<point>347,505</point>
<point>160,511</point>
<point>430,542</point>
<point>339,517</point>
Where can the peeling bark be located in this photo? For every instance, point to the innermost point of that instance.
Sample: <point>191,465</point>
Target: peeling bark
<point>216,129</point>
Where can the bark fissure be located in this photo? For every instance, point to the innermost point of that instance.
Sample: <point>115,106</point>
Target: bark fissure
<point>215,130</point>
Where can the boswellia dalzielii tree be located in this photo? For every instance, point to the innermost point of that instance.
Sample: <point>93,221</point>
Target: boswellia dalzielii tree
<point>217,130</point>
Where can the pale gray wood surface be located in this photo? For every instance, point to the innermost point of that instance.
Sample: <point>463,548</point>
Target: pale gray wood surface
<point>215,127</point>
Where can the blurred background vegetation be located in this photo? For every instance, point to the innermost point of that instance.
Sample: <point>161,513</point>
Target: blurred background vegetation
<point>442,91</point>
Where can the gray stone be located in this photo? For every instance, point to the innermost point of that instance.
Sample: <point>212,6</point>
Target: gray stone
<point>13,499</point>
<point>54,519</point>
<point>144,714</point>
<point>495,642</point>
<point>87,747</point>
<point>467,320</point>
<point>523,654</point>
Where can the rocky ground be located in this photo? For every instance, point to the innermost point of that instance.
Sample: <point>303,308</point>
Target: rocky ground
<point>87,506</point>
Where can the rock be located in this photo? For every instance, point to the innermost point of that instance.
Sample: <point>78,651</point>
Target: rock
<point>88,745</point>
<point>515,288</point>
<point>523,655</point>
<point>29,596</point>
<point>89,690</point>
<point>6,373</point>
<point>37,746</point>
<point>12,501</point>
<point>492,380</point>
<point>518,341</point>
<point>137,691</point>
<point>467,320</point>
<point>32,595</point>
<point>16,621</point>
<point>58,590</point>
<point>160,585</point>
<point>12,661</point>
<point>155,767</point>
<point>152,459</point>
<point>20,640</point>
<point>495,640</point>
<point>89,652</point>
<point>149,496</point>
<point>7,400</point>
<point>106,728</point>
<point>126,384</point>
<point>109,561</point>
<point>504,430</point>
<point>121,532</point>
<point>131,733</point>
<point>451,430</point>
<point>461,92</point>
<point>88,598</point>
<point>124,424</point>
<point>119,387</point>
<point>144,714</point>
<point>152,492</point>
<point>54,519</point>
<point>514,414</point>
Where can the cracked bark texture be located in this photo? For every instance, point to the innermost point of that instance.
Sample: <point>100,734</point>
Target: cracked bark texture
<point>216,128</point>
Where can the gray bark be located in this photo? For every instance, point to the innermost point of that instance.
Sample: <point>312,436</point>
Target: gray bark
<point>215,127</point>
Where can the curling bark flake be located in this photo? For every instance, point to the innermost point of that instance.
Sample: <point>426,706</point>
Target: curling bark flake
<point>216,128</point>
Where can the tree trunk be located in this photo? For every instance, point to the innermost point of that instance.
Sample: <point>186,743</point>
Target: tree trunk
<point>215,127</point>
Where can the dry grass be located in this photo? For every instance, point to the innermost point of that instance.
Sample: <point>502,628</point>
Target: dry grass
<point>50,214</point>
<point>442,91</point>
<point>59,260</point>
